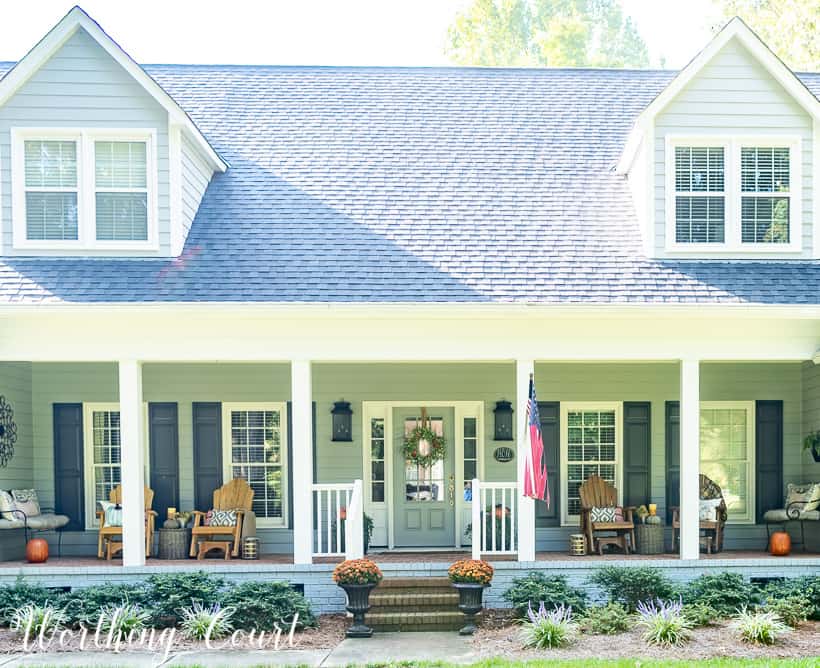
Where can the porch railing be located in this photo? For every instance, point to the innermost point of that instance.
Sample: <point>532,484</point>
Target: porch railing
<point>494,518</point>
<point>338,520</point>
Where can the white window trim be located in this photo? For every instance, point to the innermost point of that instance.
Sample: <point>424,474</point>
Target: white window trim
<point>732,146</point>
<point>749,407</point>
<point>91,522</point>
<point>566,408</point>
<point>86,187</point>
<point>227,473</point>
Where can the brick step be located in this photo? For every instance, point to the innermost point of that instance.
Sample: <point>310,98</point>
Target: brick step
<point>416,598</point>
<point>415,621</point>
<point>415,583</point>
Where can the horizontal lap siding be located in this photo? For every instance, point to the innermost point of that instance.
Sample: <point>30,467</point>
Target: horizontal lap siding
<point>195,178</point>
<point>82,86</point>
<point>15,386</point>
<point>811,416</point>
<point>733,94</point>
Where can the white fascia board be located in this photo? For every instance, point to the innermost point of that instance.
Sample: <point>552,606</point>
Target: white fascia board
<point>57,37</point>
<point>736,28</point>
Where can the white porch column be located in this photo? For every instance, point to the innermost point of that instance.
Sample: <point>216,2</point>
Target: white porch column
<point>689,458</point>
<point>302,429</point>
<point>132,464</point>
<point>526,506</point>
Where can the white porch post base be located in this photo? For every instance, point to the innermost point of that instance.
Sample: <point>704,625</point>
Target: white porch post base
<point>526,506</point>
<point>302,429</point>
<point>132,465</point>
<point>689,458</point>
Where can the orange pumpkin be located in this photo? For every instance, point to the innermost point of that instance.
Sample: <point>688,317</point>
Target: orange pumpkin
<point>36,551</point>
<point>780,544</point>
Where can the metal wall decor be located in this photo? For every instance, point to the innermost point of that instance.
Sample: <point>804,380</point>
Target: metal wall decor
<point>8,432</point>
<point>342,422</point>
<point>503,412</point>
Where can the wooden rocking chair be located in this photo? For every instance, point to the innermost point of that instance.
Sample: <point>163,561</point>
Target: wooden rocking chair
<point>596,492</point>
<point>236,495</point>
<point>106,545</point>
<point>712,538</point>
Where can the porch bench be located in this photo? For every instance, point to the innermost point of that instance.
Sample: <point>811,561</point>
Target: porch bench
<point>45,521</point>
<point>798,497</point>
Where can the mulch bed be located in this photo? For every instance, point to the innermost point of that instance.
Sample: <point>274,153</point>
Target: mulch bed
<point>499,636</point>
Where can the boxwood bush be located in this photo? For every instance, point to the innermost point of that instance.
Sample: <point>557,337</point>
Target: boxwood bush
<point>725,592</point>
<point>21,594</point>
<point>169,594</point>
<point>260,605</point>
<point>807,586</point>
<point>630,586</point>
<point>84,605</point>
<point>551,590</point>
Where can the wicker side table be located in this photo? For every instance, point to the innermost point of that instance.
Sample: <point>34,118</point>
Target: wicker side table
<point>174,543</point>
<point>649,538</point>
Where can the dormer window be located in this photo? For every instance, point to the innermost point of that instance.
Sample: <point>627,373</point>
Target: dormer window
<point>84,189</point>
<point>733,194</point>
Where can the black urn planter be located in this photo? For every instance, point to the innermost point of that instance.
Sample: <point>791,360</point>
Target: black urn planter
<point>358,603</point>
<point>470,603</point>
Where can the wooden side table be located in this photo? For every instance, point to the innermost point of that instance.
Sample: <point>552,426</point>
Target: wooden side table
<point>649,538</point>
<point>174,543</point>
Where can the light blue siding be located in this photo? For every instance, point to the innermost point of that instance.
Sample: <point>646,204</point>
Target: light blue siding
<point>196,175</point>
<point>82,86</point>
<point>811,416</point>
<point>15,386</point>
<point>734,95</point>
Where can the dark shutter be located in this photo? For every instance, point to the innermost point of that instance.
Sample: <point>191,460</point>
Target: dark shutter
<point>637,453</point>
<point>207,418</point>
<point>550,412</point>
<point>163,440</point>
<point>672,457</point>
<point>69,488</point>
<point>768,456</point>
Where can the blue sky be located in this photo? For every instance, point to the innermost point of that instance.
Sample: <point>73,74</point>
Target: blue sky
<point>311,32</point>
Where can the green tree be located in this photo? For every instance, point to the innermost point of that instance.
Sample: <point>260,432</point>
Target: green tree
<point>791,28</point>
<point>537,33</point>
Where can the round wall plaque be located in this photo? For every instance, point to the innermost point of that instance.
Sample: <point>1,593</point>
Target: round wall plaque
<point>503,454</point>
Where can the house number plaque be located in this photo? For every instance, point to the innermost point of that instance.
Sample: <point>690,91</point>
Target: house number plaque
<point>503,454</point>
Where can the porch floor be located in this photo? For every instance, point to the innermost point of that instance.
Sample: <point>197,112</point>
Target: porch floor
<point>402,557</point>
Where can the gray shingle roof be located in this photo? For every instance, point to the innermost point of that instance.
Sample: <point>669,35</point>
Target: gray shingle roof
<point>412,185</point>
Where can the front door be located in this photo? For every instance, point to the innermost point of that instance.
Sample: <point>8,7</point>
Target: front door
<point>424,498</point>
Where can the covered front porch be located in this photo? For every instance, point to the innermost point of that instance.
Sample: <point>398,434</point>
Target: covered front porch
<point>185,428</point>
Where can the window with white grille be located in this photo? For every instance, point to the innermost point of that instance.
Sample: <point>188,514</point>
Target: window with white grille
<point>765,202</point>
<point>256,451</point>
<point>51,194</point>
<point>377,460</point>
<point>121,190</point>
<point>700,197</point>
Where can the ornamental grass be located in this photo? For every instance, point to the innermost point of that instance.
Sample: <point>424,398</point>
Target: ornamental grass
<point>357,572</point>
<point>471,571</point>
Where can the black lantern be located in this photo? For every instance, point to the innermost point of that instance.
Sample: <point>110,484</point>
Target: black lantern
<point>503,421</point>
<point>342,421</point>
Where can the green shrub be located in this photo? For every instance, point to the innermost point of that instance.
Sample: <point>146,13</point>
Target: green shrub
<point>547,629</point>
<point>537,588</point>
<point>700,614</point>
<point>608,619</point>
<point>760,628</point>
<point>631,586</point>
<point>664,623</point>
<point>807,586</point>
<point>170,593</point>
<point>792,609</point>
<point>725,592</point>
<point>86,604</point>
<point>260,605</point>
<point>21,594</point>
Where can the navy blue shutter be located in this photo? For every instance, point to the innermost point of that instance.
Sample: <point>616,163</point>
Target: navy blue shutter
<point>637,453</point>
<point>672,457</point>
<point>207,424</point>
<point>69,483</point>
<point>768,456</point>
<point>163,440</point>
<point>550,412</point>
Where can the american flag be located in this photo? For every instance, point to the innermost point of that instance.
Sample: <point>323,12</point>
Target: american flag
<point>535,471</point>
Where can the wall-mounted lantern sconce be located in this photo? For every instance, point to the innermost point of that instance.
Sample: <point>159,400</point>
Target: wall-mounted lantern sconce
<point>342,421</point>
<point>503,421</point>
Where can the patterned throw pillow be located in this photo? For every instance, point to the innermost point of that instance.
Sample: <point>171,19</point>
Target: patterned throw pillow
<point>7,504</point>
<point>804,497</point>
<point>602,514</point>
<point>221,518</point>
<point>27,501</point>
<point>113,514</point>
<point>707,509</point>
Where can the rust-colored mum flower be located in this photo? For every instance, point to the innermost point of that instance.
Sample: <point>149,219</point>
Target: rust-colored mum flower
<point>357,571</point>
<point>474,571</point>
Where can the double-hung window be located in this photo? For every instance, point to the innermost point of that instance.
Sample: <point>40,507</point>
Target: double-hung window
<point>84,189</point>
<point>254,448</point>
<point>735,194</point>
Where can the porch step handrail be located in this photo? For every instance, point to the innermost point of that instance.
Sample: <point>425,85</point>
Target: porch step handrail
<point>499,500</point>
<point>338,523</point>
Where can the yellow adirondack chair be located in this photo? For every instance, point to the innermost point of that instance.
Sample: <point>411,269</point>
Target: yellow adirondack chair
<point>107,534</point>
<point>235,495</point>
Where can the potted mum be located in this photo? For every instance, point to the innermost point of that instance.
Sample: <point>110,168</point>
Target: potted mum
<point>357,577</point>
<point>470,577</point>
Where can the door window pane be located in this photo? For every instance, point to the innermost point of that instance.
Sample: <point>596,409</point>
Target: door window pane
<point>377,476</point>
<point>424,484</point>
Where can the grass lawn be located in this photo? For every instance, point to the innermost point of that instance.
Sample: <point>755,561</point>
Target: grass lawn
<point>621,663</point>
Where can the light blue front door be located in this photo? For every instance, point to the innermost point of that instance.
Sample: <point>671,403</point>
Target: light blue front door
<point>424,498</point>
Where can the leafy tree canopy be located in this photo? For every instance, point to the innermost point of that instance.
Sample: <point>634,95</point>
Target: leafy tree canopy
<point>537,33</point>
<point>791,28</point>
